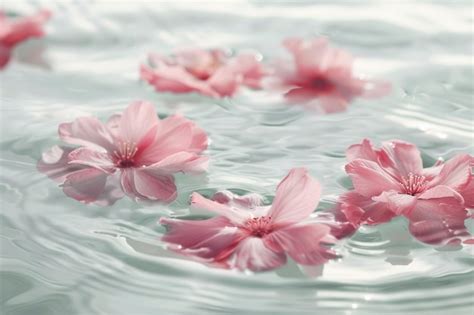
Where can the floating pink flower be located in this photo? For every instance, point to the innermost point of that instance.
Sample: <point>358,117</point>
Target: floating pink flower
<point>321,77</point>
<point>391,181</point>
<point>248,235</point>
<point>208,72</point>
<point>13,32</point>
<point>133,151</point>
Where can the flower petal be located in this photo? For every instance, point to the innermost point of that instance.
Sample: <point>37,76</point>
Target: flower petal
<point>87,131</point>
<point>297,196</point>
<point>174,135</point>
<point>396,202</point>
<point>136,122</point>
<point>235,215</point>
<point>87,157</point>
<point>302,242</point>
<point>225,81</point>
<point>403,157</point>
<point>181,162</point>
<point>213,239</point>
<point>85,185</point>
<point>364,210</point>
<point>252,254</point>
<point>370,179</point>
<point>456,173</point>
<point>364,150</point>
<point>55,164</point>
<point>144,184</point>
<point>248,201</point>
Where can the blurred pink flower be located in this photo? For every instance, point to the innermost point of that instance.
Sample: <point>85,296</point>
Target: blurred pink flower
<point>15,31</point>
<point>321,77</point>
<point>208,72</point>
<point>391,181</point>
<point>134,151</point>
<point>248,235</point>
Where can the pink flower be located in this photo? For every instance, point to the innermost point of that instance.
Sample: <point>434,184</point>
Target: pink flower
<point>321,77</point>
<point>13,32</point>
<point>208,72</point>
<point>248,235</point>
<point>391,181</point>
<point>133,151</point>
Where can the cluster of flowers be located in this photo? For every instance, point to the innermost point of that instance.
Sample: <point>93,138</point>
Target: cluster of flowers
<point>319,77</point>
<point>137,154</point>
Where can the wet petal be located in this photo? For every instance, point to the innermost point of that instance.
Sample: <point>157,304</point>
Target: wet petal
<point>370,179</point>
<point>85,185</point>
<point>303,243</point>
<point>252,254</point>
<point>235,215</point>
<point>87,131</point>
<point>136,122</point>
<point>297,196</point>
<point>55,163</point>
<point>455,173</point>
<point>146,184</point>
<point>403,157</point>
<point>213,239</point>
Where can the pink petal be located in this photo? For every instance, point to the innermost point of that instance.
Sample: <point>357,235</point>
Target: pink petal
<point>87,157</point>
<point>369,178</point>
<point>302,94</point>
<point>302,243</point>
<point>85,185</point>
<point>364,150</point>
<point>137,122</point>
<point>225,81</point>
<point>143,183</point>
<point>175,134</point>
<point>87,131</point>
<point>252,254</point>
<point>329,104</point>
<point>396,202</point>
<point>297,196</point>
<point>181,162</point>
<point>248,201</point>
<point>235,215</point>
<point>24,28</point>
<point>199,139</point>
<point>438,216</point>
<point>175,79</point>
<point>468,194</point>
<point>403,157</point>
<point>251,69</point>
<point>213,239</point>
<point>55,164</point>
<point>456,173</point>
<point>167,143</point>
<point>363,210</point>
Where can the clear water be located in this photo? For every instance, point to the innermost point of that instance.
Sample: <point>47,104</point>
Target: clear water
<point>61,257</point>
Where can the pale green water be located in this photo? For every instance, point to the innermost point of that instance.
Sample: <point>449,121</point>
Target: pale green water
<point>61,257</point>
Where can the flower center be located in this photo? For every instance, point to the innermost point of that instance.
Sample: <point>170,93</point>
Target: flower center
<point>322,84</point>
<point>259,226</point>
<point>124,154</point>
<point>413,184</point>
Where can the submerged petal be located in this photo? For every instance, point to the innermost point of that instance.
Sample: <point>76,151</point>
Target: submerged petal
<point>213,239</point>
<point>303,242</point>
<point>85,185</point>
<point>252,254</point>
